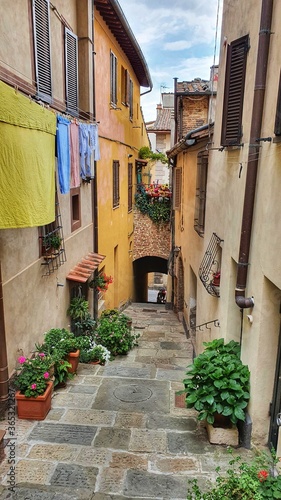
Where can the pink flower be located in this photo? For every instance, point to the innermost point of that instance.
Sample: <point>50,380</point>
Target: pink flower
<point>41,354</point>
<point>46,375</point>
<point>33,386</point>
<point>21,360</point>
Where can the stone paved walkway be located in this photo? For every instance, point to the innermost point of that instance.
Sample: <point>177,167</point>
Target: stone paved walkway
<point>119,431</point>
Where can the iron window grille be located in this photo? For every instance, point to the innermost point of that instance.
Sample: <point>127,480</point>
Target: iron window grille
<point>210,266</point>
<point>42,49</point>
<point>53,258</point>
<point>234,91</point>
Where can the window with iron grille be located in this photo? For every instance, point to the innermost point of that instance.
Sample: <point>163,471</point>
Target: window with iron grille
<point>130,187</point>
<point>177,189</point>
<point>71,72</point>
<point>234,91</point>
<point>200,197</point>
<point>113,79</point>
<point>277,128</point>
<point>131,99</point>
<point>116,196</point>
<point>42,48</point>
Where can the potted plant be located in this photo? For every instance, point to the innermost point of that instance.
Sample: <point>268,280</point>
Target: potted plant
<point>81,321</point>
<point>35,387</point>
<point>114,332</point>
<point>217,384</point>
<point>51,244</point>
<point>216,278</point>
<point>90,352</point>
<point>101,282</point>
<point>62,345</point>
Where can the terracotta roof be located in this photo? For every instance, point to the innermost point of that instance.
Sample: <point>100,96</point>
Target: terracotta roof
<point>115,19</point>
<point>196,86</point>
<point>163,120</point>
<point>83,270</point>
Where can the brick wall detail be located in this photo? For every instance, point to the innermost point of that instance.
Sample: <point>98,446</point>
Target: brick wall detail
<point>150,239</point>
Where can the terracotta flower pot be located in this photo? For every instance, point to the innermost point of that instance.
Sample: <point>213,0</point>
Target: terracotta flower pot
<point>34,408</point>
<point>73,359</point>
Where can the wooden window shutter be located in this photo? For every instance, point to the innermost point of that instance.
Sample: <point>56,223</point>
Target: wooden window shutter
<point>277,128</point>
<point>234,91</point>
<point>71,72</point>
<point>201,191</point>
<point>115,183</point>
<point>130,187</point>
<point>113,79</point>
<point>41,31</point>
<point>131,99</point>
<point>178,178</point>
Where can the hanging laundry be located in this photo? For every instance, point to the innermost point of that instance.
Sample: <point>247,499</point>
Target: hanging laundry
<point>74,155</point>
<point>83,150</point>
<point>27,161</point>
<point>94,140</point>
<point>63,153</point>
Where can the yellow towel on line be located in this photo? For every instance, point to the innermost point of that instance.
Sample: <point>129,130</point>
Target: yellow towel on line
<point>27,161</point>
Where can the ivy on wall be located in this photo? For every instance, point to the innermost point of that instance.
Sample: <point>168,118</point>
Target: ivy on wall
<point>154,200</point>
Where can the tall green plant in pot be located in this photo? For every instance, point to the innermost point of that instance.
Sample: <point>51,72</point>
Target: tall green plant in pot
<point>218,383</point>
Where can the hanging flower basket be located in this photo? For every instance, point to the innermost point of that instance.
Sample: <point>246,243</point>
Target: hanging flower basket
<point>101,282</point>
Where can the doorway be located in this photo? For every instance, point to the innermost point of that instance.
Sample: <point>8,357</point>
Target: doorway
<point>275,423</point>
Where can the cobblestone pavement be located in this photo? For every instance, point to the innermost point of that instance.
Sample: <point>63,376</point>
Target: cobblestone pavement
<point>119,431</point>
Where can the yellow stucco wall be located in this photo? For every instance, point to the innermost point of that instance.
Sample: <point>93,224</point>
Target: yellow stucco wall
<point>119,137</point>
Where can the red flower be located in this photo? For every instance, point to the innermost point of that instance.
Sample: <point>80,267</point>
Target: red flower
<point>262,475</point>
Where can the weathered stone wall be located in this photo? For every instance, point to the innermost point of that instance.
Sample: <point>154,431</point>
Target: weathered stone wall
<point>194,113</point>
<point>150,239</point>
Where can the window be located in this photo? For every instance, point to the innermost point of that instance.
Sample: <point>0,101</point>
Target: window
<point>41,33</point>
<point>234,91</point>
<point>130,187</point>
<point>113,79</point>
<point>201,187</point>
<point>177,199</point>
<point>277,128</point>
<point>71,72</point>
<point>115,183</point>
<point>125,80</point>
<point>75,208</point>
<point>131,99</point>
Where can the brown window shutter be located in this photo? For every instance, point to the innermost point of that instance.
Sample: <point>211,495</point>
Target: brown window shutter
<point>113,79</point>
<point>277,128</point>
<point>178,177</point>
<point>234,91</point>
<point>41,31</point>
<point>131,100</point>
<point>116,194</point>
<point>201,188</point>
<point>130,187</point>
<point>71,72</point>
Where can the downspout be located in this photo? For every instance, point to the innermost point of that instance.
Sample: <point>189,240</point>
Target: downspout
<point>253,156</point>
<point>94,182</point>
<point>4,376</point>
<point>175,111</point>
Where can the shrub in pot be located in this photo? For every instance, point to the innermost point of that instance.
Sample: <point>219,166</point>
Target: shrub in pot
<point>114,332</point>
<point>81,321</point>
<point>218,383</point>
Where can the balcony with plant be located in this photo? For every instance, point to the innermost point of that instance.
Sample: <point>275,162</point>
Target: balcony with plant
<point>154,200</point>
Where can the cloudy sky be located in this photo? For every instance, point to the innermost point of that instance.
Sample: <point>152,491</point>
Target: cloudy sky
<point>177,38</point>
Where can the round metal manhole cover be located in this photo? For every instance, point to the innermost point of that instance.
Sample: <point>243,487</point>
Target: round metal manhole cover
<point>132,393</point>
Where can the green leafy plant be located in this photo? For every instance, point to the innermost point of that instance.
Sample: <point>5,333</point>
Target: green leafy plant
<point>145,153</point>
<point>78,308</point>
<point>59,342</point>
<point>155,201</point>
<point>62,373</point>
<point>90,351</point>
<point>257,480</point>
<point>114,332</point>
<point>34,374</point>
<point>218,382</point>
<point>52,241</point>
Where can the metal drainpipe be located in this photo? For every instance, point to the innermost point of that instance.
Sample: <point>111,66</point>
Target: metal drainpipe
<point>94,182</point>
<point>4,376</point>
<point>253,156</point>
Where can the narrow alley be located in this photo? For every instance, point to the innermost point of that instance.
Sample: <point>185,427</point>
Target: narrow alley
<point>119,431</point>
